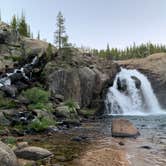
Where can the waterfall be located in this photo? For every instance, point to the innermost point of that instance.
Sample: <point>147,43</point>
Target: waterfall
<point>131,94</point>
<point>5,81</point>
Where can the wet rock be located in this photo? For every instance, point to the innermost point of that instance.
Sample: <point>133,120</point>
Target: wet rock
<point>146,147</point>
<point>137,82</point>
<point>123,128</point>
<point>20,117</point>
<point>7,156</point>
<point>10,90</point>
<point>122,85</point>
<point>71,122</point>
<point>32,153</point>
<point>121,143</point>
<point>52,129</point>
<point>79,138</point>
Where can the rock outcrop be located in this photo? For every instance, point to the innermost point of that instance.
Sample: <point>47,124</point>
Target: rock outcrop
<point>7,156</point>
<point>14,47</point>
<point>32,153</point>
<point>80,80</point>
<point>154,67</point>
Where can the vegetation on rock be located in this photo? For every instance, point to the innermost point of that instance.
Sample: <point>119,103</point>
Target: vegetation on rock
<point>40,124</point>
<point>39,98</point>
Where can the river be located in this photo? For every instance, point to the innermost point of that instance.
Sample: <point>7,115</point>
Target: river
<point>91,144</point>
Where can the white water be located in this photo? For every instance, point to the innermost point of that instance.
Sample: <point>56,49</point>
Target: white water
<point>6,80</point>
<point>132,100</point>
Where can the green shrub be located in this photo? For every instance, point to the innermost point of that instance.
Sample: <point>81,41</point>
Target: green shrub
<point>71,104</point>
<point>42,106</point>
<point>10,140</point>
<point>40,124</point>
<point>6,103</point>
<point>14,58</point>
<point>36,95</point>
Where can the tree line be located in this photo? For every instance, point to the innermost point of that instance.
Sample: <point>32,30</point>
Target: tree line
<point>20,25</point>
<point>134,51</point>
<point>61,40</point>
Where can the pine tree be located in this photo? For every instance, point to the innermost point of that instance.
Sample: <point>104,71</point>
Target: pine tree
<point>14,23</point>
<point>38,35</point>
<point>23,27</point>
<point>108,52</point>
<point>60,34</point>
<point>49,52</point>
<point>0,16</point>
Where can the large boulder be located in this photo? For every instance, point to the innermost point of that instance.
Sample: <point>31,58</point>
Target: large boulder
<point>65,82</point>
<point>123,128</point>
<point>7,156</point>
<point>87,81</point>
<point>32,153</point>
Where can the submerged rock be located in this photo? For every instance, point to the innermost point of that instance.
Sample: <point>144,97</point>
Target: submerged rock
<point>123,128</point>
<point>32,153</point>
<point>7,156</point>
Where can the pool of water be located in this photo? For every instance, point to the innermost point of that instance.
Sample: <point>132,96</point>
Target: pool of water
<point>69,145</point>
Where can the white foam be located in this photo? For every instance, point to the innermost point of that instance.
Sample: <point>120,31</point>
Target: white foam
<point>132,101</point>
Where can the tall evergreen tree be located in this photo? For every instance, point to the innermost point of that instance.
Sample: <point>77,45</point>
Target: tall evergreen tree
<point>60,33</point>
<point>22,26</point>
<point>0,16</point>
<point>14,22</point>
<point>38,35</point>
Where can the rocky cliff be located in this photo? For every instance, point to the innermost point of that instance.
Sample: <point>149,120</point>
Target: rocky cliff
<point>81,77</point>
<point>84,78</point>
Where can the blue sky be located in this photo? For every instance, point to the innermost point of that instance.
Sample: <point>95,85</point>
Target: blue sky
<point>95,23</point>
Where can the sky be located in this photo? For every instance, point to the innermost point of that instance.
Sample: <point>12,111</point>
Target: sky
<point>94,23</point>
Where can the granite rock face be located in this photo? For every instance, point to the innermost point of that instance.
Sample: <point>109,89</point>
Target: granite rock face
<point>7,156</point>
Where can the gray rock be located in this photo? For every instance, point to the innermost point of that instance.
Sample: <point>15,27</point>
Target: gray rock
<point>32,153</point>
<point>65,82</point>
<point>43,113</point>
<point>7,156</point>
<point>87,80</point>
<point>65,112</point>
<point>137,82</point>
<point>123,128</point>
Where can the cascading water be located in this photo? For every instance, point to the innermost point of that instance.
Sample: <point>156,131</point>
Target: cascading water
<point>131,94</point>
<point>5,81</point>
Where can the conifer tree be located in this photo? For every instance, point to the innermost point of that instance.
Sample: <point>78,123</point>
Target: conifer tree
<point>22,26</point>
<point>60,34</point>
<point>38,35</point>
<point>14,23</point>
<point>0,16</point>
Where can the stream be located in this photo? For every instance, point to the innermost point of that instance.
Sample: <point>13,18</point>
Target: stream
<point>84,145</point>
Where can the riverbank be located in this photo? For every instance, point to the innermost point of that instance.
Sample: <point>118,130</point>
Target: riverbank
<point>91,144</point>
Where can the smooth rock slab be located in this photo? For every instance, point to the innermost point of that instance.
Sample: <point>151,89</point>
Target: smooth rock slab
<point>123,128</point>
<point>32,153</point>
<point>7,156</point>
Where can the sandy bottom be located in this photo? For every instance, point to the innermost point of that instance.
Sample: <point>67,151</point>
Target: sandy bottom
<point>104,153</point>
